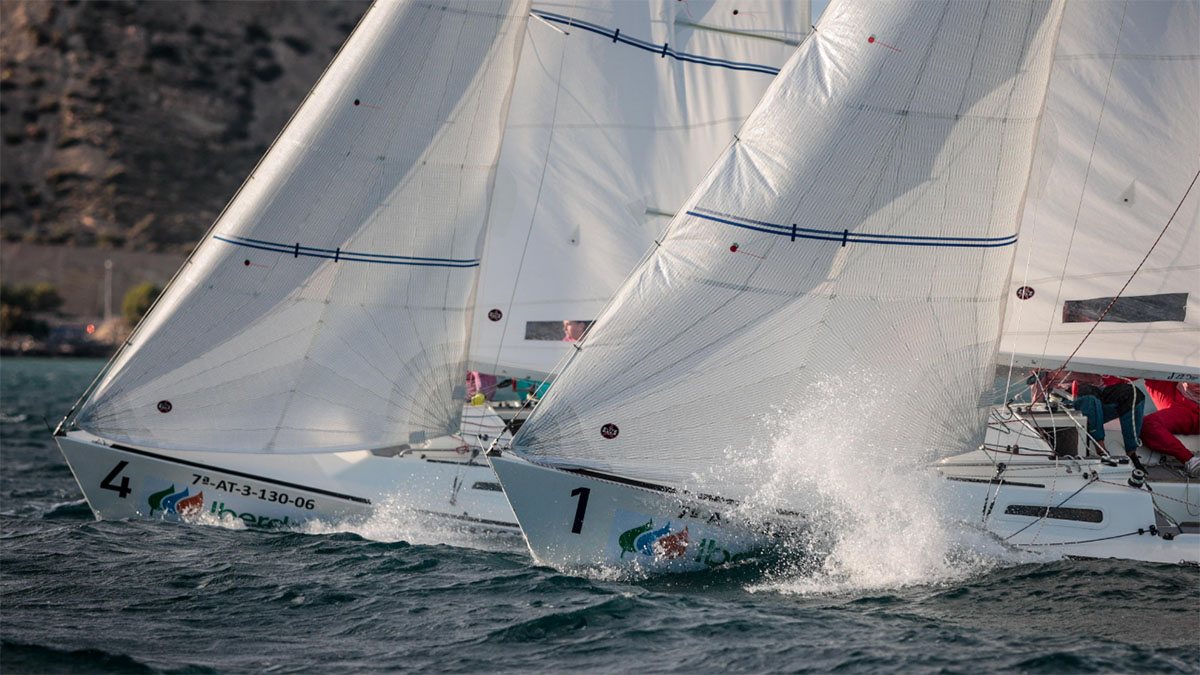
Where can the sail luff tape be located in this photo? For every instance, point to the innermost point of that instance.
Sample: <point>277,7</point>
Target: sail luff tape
<point>737,33</point>
<point>535,15</point>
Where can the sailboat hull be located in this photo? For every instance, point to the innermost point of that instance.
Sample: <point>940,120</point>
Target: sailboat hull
<point>573,521</point>
<point>121,481</point>
<point>1079,507</point>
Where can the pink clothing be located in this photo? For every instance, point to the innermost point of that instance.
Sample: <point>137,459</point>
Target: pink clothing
<point>480,383</point>
<point>1177,414</point>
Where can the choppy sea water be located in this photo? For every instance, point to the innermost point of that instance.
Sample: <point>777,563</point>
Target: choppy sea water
<point>77,595</point>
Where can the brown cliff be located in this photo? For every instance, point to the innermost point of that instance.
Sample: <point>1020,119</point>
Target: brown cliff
<point>131,124</point>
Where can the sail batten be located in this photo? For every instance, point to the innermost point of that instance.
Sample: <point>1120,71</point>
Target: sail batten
<point>329,308</point>
<point>860,229</point>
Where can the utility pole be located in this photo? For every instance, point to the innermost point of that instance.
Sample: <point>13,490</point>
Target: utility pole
<point>108,266</point>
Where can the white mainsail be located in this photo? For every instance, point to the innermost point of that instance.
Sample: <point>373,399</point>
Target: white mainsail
<point>861,227</point>
<point>607,136</point>
<point>329,308</point>
<point>1118,148</point>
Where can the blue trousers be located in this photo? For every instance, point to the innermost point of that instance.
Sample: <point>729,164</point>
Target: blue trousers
<point>1097,413</point>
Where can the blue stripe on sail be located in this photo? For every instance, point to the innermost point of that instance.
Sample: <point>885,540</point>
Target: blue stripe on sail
<point>852,237</point>
<point>617,36</point>
<point>344,256</point>
<point>291,247</point>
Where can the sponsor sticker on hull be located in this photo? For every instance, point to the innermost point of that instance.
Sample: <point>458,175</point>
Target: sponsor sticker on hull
<point>639,538</point>
<point>171,504</point>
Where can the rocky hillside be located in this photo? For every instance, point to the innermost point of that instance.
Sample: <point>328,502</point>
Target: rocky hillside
<point>130,124</point>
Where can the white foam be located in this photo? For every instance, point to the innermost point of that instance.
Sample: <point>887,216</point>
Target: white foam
<point>227,521</point>
<point>875,512</point>
<point>391,520</point>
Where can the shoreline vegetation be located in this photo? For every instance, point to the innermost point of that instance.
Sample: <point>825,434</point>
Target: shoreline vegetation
<point>32,323</point>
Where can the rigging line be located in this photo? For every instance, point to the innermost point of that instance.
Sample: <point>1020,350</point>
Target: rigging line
<point>537,199</point>
<point>1156,494</point>
<point>1087,541</point>
<point>1088,172</point>
<point>1131,276</point>
<point>1050,499</point>
<point>1046,514</point>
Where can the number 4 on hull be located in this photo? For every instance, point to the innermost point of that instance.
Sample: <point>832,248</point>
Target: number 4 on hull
<point>123,489</point>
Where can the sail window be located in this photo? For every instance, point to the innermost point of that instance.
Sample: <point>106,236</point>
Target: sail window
<point>1055,513</point>
<point>566,330</point>
<point>490,487</point>
<point>1132,309</point>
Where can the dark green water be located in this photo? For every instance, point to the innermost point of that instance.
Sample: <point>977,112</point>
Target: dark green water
<point>77,595</point>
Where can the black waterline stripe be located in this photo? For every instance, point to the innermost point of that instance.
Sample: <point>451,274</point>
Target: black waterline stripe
<point>469,519</point>
<point>994,481</point>
<point>240,474</point>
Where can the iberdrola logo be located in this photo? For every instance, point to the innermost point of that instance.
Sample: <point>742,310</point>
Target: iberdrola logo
<point>646,540</point>
<point>179,503</point>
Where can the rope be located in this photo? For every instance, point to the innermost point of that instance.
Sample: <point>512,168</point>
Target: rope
<point>1131,276</point>
<point>1088,173</point>
<point>1087,541</point>
<point>1044,516</point>
<point>537,199</point>
<point>1156,495</point>
<point>1049,498</point>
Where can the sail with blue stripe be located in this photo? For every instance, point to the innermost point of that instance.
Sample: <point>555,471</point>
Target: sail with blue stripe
<point>329,307</point>
<point>855,240</point>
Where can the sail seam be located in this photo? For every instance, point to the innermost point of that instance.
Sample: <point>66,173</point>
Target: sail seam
<point>662,50</point>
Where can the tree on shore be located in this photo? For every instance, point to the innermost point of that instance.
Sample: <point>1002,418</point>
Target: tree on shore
<point>19,303</point>
<point>137,301</point>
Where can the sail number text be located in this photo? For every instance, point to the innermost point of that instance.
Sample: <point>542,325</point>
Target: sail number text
<point>245,490</point>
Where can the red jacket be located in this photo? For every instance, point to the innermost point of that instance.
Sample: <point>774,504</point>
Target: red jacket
<point>1167,394</point>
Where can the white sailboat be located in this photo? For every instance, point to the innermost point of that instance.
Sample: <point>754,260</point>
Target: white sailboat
<point>1119,146</point>
<point>878,184</point>
<point>327,315</point>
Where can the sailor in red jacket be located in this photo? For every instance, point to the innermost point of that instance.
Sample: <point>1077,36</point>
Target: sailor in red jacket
<point>1178,413</point>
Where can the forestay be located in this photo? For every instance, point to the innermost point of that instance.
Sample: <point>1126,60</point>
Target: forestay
<point>618,110</point>
<point>1118,148</point>
<point>861,228</point>
<point>329,307</point>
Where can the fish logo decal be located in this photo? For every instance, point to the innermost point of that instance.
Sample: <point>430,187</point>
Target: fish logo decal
<point>179,503</point>
<point>628,537</point>
<point>673,545</point>
<point>645,542</point>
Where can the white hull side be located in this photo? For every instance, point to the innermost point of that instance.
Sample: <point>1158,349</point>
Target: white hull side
<point>273,490</point>
<point>1095,512</point>
<point>619,526</point>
